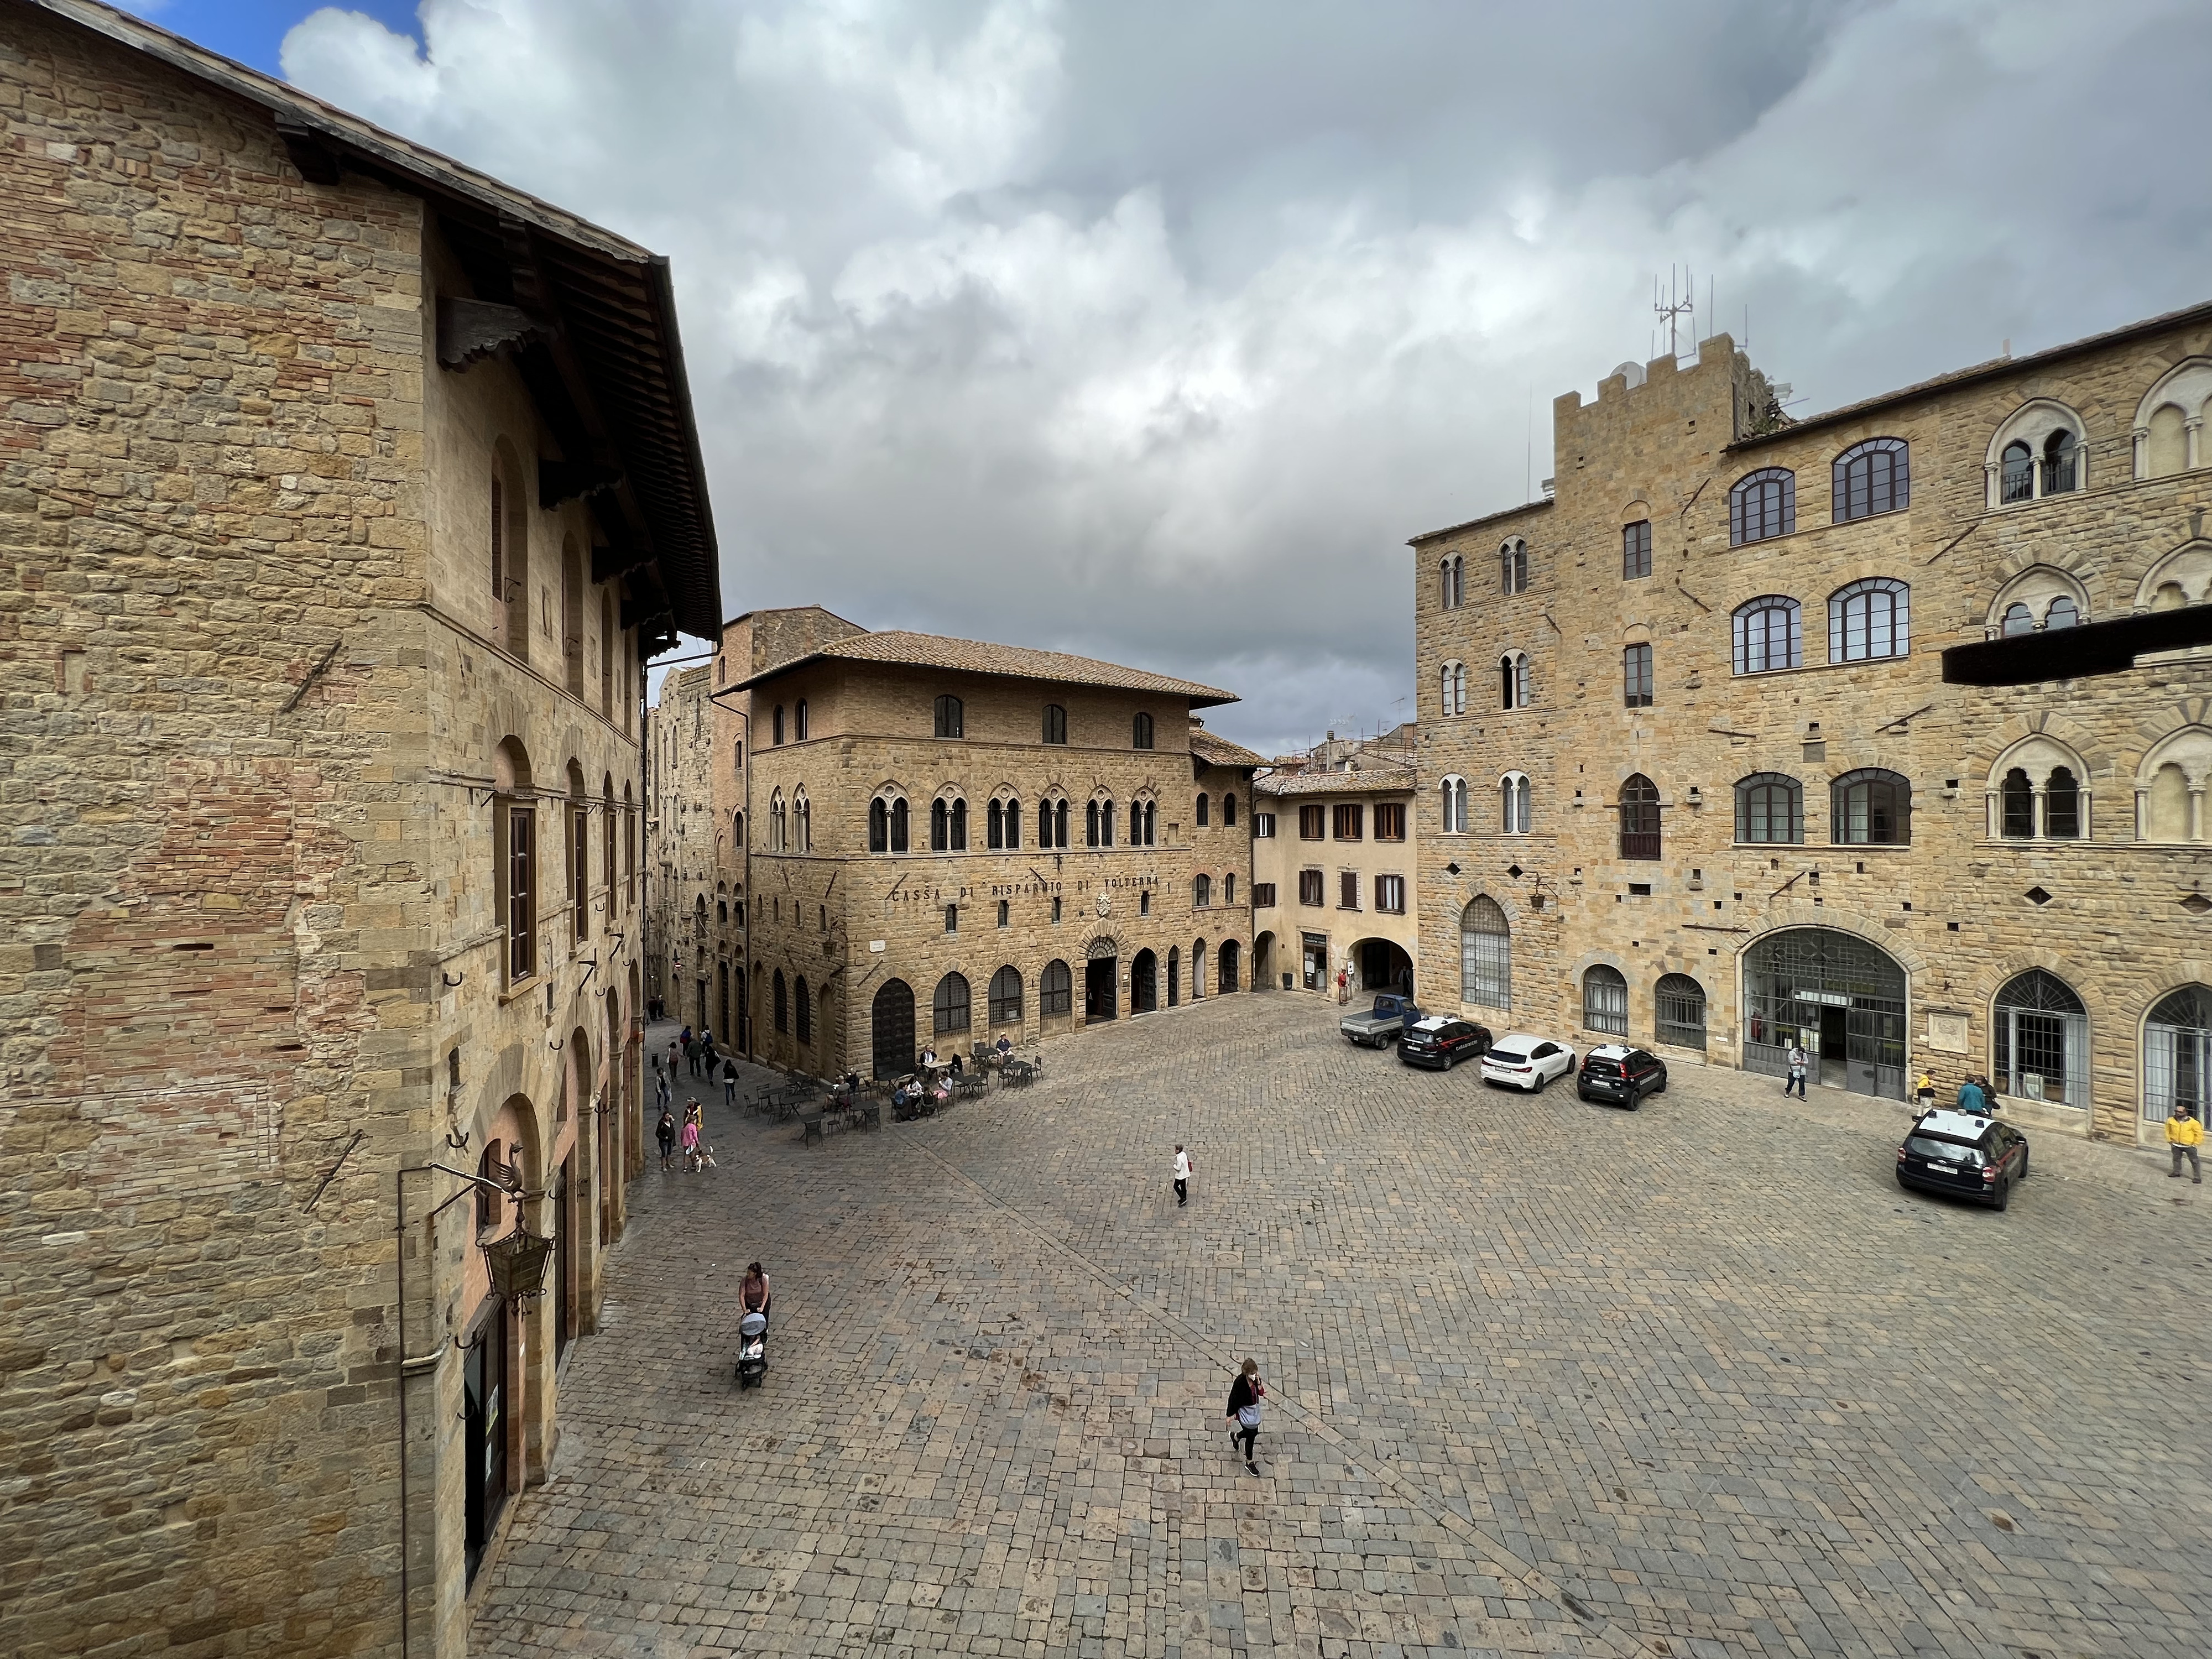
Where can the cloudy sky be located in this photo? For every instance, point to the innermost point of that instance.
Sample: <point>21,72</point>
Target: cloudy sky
<point>1151,331</point>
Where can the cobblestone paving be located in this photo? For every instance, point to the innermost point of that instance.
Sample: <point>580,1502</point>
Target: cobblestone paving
<point>1544,1377</point>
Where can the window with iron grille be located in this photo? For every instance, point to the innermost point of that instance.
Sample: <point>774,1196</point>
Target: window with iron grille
<point>1636,676</point>
<point>1055,991</point>
<point>1639,819</point>
<point>1604,1000</point>
<point>1485,946</point>
<point>1006,996</point>
<point>1678,1012</point>
<point>950,1004</point>
<point>1636,549</point>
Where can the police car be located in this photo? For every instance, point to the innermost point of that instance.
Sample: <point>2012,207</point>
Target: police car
<point>1963,1154</point>
<point>1623,1075</point>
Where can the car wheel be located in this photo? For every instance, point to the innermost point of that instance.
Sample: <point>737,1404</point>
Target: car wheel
<point>2022,1175</point>
<point>2003,1195</point>
<point>1634,1100</point>
<point>1662,1089</point>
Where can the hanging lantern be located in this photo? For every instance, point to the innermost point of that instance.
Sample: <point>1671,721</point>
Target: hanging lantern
<point>518,1264</point>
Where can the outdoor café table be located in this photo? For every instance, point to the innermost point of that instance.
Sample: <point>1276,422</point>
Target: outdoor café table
<point>968,1088</point>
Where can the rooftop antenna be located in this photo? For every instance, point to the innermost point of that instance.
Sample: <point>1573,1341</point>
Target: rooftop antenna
<point>1673,309</point>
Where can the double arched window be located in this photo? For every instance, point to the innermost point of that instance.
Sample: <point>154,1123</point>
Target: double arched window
<point>1639,817</point>
<point>1872,477</point>
<point>2038,451</point>
<point>802,822</point>
<point>1140,732</point>
<point>1770,809</point>
<point>1002,825</point>
<point>1770,634</point>
<point>887,824</point>
<point>950,1004</point>
<point>1513,804</point>
<point>1453,792</point>
<point>1868,619</point>
<point>1763,505</point>
<point>1052,823</point>
<point>1452,686</point>
<point>1604,1000</point>
<point>948,825</point>
<point>1515,686</point>
<point>1451,581</point>
<point>1098,824</point>
<point>1870,808</point>
<point>952,718</point>
<point>1486,955</point>
<point>779,823</point>
<point>2036,792</point>
<point>1513,567</point>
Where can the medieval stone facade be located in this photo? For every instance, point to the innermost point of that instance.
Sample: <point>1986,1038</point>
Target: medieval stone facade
<point>319,894</point>
<point>947,841</point>
<point>688,927</point>
<point>1334,863</point>
<point>1691,775</point>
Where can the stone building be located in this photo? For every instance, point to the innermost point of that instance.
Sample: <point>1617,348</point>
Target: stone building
<point>1334,860</point>
<point>1694,776</point>
<point>344,491</point>
<point>947,840</point>
<point>687,846</point>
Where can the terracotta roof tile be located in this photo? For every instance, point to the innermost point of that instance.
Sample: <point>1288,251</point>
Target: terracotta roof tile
<point>1219,751</point>
<point>1375,776</point>
<point>896,644</point>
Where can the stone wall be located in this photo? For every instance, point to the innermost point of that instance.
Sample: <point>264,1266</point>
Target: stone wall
<point>1961,907</point>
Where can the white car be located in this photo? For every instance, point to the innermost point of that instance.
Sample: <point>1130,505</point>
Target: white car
<point>1522,1062</point>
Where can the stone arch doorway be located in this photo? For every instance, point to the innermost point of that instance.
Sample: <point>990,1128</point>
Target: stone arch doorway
<point>1101,992</point>
<point>893,1034</point>
<point>1226,963</point>
<point>1840,996</point>
<point>1144,982</point>
<point>1263,963</point>
<point>1384,966</point>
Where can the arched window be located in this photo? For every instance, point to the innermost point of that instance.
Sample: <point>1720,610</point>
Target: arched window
<point>950,1004</point>
<point>1229,811</point>
<point>1091,824</point>
<point>1105,824</point>
<point>1636,549</point>
<point>1870,808</point>
<point>1453,793</point>
<point>2062,614</point>
<point>1514,689</point>
<point>1229,888</point>
<point>1763,505</point>
<point>2019,797</point>
<point>802,822</point>
<point>775,724</point>
<point>1678,1012</point>
<point>1636,676</point>
<point>2039,1040</point>
<point>1769,808</point>
<point>1055,991</point>
<point>1486,955</point>
<point>994,826</point>
<point>1770,634</point>
<point>777,822</point>
<point>2016,481</point>
<point>780,997</point>
<point>2062,805</point>
<point>1140,732</point>
<point>1055,723</point>
<point>1513,804</point>
<point>950,717</point>
<point>1639,817</point>
<point>1868,619</point>
<point>1604,1000</point>
<point>1871,477</point>
<point>1453,680</point>
<point>1451,582</point>
<point>1201,891</point>
<point>879,826</point>
<point>1201,812</point>
<point>2061,474</point>
<point>2178,1054</point>
<point>1513,567</point>
<point>1151,818</point>
<point>1052,823</point>
<point>1006,996</point>
<point>804,1002</point>
<point>2018,619</point>
<point>899,824</point>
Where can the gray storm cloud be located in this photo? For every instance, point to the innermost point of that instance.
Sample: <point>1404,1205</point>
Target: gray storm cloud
<point>1152,331</point>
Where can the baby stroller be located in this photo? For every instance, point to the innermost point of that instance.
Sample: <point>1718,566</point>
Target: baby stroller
<point>752,1349</point>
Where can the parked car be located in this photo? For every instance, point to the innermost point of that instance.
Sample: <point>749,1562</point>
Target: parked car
<point>1614,1072</point>
<point>1378,1027</point>
<point>1440,1044</point>
<point>1963,1154</point>
<point>1526,1062</point>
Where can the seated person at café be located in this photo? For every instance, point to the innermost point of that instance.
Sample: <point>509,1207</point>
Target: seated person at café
<point>955,1064</point>
<point>1006,1048</point>
<point>929,1056</point>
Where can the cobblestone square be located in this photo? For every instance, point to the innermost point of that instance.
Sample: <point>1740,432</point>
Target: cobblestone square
<point>1544,1377</point>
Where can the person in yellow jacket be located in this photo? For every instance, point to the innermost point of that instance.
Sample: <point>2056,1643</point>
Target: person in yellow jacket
<point>2185,1135</point>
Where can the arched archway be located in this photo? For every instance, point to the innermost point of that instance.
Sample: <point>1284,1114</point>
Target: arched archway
<point>892,1037</point>
<point>2039,1040</point>
<point>2178,1054</point>
<point>1263,962</point>
<point>1227,960</point>
<point>1175,974</point>
<point>1144,982</point>
<point>1384,966</point>
<point>1841,996</point>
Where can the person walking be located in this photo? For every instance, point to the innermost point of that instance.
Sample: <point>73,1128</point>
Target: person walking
<point>1182,1168</point>
<point>756,1295</point>
<point>690,1144</point>
<point>729,1081</point>
<point>1927,1092</point>
<point>2185,1133</point>
<point>666,1130</point>
<point>1245,1395</point>
<point>1799,1062</point>
<point>1972,1100</point>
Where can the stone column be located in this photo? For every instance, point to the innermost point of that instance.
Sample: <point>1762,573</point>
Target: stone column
<point>2190,429</point>
<point>2141,437</point>
<point>2038,826</point>
<point>2197,809</point>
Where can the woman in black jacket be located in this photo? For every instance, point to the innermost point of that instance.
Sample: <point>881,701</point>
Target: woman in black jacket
<point>1245,1395</point>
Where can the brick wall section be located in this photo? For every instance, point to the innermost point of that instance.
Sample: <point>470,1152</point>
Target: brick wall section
<point>248,893</point>
<point>1952,907</point>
